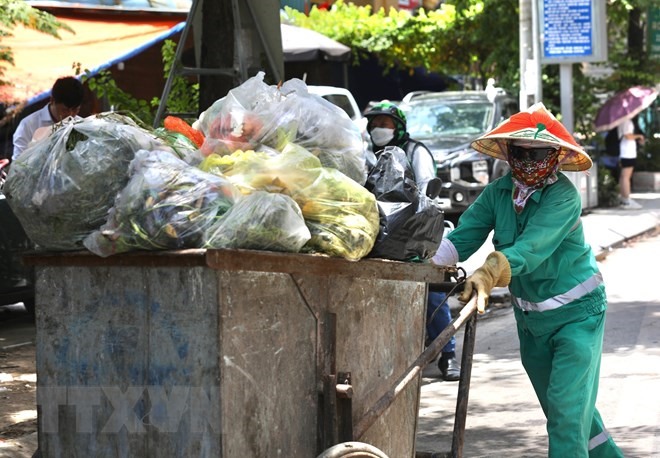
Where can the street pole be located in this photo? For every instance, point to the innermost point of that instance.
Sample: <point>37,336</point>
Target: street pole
<point>566,89</point>
<point>530,59</point>
<point>525,29</point>
<point>536,49</point>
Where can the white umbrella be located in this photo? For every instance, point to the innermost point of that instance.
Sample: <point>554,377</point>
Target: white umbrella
<point>301,45</point>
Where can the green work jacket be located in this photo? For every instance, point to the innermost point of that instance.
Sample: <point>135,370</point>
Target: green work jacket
<point>544,244</point>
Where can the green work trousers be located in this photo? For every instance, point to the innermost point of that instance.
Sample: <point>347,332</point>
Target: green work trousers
<point>561,352</point>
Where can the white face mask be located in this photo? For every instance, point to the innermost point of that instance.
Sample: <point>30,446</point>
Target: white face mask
<point>381,136</point>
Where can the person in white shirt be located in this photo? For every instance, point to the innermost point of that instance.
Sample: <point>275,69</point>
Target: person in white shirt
<point>627,157</point>
<point>65,100</point>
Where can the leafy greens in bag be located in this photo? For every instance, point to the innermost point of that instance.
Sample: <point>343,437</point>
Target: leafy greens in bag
<point>261,221</point>
<point>167,204</point>
<point>62,186</point>
<point>341,215</point>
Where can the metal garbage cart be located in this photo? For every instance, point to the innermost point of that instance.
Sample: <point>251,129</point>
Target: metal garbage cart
<point>224,353</point>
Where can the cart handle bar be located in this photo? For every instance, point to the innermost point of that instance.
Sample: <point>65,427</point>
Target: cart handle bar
<point>428,356</point>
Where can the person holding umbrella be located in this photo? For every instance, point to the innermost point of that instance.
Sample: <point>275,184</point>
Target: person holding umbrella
<point>541,255</point>
<point>618,113</point>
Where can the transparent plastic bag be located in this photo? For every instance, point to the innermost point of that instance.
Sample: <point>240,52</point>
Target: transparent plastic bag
<point>260,221</point>
<point>341,215</point>
<point>167,204</point>
<point>236,121</point>
<point>255,115</point>
<point>285,172</point>
<point>319,126</point>
<point>62,186</point>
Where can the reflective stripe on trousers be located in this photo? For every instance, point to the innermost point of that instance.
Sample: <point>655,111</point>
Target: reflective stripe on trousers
<point>569,296</point>
<point>599,439</point>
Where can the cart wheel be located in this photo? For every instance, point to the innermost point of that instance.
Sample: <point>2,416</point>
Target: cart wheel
<point>353,450</point>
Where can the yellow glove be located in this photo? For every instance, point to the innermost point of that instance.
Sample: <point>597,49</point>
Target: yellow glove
<point>496,271</point>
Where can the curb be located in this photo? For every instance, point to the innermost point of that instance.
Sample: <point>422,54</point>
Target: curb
<point>608,249</point>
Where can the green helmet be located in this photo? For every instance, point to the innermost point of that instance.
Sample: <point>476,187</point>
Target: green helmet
<point>391,110</point>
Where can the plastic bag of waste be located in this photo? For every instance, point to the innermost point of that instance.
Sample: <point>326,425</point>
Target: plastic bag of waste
<point>341,215</point>
<point>411,226</point>
<point>62,186</point>
<point>255,114</point>
<point>260,221</point>
<point>167,204</point>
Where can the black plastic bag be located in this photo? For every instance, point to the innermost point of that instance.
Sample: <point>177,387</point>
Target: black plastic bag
<point>392,178</point>
<point>417,239</point>
<point>411,227</point>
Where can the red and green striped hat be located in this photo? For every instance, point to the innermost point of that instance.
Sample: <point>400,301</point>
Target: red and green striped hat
<point>536,124</point>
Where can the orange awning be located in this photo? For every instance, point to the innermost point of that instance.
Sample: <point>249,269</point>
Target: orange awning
<point>97,44</point>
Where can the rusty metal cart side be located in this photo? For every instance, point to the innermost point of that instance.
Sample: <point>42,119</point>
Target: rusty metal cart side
<point>225,353</point>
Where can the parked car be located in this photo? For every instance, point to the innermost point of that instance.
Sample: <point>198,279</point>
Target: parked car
<point>447,122</point>
<point>16,280</point>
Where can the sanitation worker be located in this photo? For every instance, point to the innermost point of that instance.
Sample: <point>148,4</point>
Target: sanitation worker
<point>540,253</point>
<point>387,126</point>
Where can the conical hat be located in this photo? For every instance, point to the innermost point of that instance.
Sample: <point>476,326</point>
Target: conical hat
<point>535,124</point>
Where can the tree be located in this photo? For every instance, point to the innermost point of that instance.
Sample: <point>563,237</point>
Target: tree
<point>480,39</point>
<point>465,37</point>
<point>628,56</point>
<point>14,12</point>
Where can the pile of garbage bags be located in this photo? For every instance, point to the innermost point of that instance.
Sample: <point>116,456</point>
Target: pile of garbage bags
<point>265,167</point>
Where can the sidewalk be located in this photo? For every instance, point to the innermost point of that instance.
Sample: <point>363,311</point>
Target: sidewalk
<point>606,228</point>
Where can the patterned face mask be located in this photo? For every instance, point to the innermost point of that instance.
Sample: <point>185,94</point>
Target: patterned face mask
<point>531,169</point>
<point>531,166</point>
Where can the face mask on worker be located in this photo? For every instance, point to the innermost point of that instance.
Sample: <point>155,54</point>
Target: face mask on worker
<point>381,136</point>
<point>531,170</point>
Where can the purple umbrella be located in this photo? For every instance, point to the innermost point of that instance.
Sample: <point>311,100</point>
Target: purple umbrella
<point>624,105</point>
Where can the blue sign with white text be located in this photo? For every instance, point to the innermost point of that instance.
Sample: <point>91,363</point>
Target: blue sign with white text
<point>567,28</point>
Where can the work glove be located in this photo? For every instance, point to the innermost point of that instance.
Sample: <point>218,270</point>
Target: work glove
<point>496,271</point>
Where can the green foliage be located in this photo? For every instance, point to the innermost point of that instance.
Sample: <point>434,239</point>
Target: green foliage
<point>184,96</point>
<point>13,12</point>
<point>104,87</point>
<point>608,189</point>
<point>397,39</point>
<point>465,37</point>
<point>488,38</point>
<point>648,158</point>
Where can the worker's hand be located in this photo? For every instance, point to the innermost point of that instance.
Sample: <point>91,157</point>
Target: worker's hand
<point>496,271</point>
